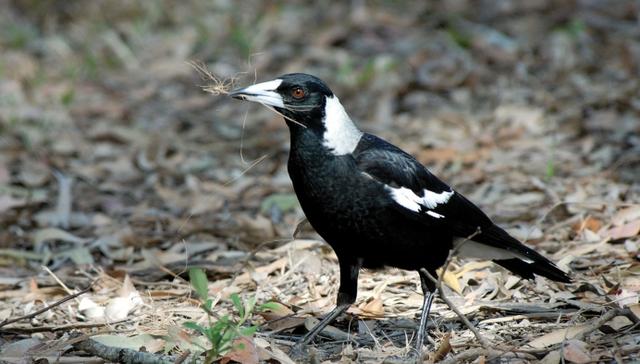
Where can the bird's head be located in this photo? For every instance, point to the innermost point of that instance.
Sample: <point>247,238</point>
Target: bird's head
<point>306,101</point>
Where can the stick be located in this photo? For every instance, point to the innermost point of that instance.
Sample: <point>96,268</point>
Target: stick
<point>120,355</point>
<point>30,330</point>
<point>47,308</point>
<point>438,283</point>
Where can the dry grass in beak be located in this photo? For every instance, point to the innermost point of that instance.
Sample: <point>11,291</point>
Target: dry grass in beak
<point>217,85</point>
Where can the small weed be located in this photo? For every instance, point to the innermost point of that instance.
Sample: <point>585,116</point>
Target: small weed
<point>221,332</point>
<point>550,169</point>
<point>67,97</point>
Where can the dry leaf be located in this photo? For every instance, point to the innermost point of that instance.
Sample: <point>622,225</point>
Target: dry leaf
<point>553,357</point>
<point>243,351</point>
<point>627,230</point>
<point>635,310</point>
<point>451,280</point>
<point>557,336</point>
<point>631,213</point>
<point>443,349</point>
<point>590,223</point>
<point>129,298</point>
<point>616,324</point>
<point>575,351</point>
<point>90,309</point>
<point>276,311</point>
<point>373,308</point>
<point>284,323</point>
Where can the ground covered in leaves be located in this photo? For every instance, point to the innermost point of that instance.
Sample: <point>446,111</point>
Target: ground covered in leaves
<point>118,172</point>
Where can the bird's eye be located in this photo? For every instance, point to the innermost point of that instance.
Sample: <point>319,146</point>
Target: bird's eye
<point>297,93</point>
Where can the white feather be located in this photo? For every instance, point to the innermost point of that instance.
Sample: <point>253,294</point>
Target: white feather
<point>429,200</point>
<point>341,135</point>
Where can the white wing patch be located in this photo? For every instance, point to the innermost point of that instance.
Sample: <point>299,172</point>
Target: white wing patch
<point>429,199</point>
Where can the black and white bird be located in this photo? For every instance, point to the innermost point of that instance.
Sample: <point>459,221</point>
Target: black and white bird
<point>375,204</point>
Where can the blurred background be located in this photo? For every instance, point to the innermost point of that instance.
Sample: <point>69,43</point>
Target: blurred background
<point>110,149</point>
<point>105,130</point>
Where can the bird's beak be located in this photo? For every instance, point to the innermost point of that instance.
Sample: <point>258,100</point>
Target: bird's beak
<point>264,93</point>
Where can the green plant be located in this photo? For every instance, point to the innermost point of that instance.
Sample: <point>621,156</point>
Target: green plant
<point>221,332</point>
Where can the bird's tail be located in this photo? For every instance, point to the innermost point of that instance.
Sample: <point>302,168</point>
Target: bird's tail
<point>531,262</point>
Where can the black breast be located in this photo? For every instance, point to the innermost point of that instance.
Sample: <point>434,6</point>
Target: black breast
<point>354,214</point>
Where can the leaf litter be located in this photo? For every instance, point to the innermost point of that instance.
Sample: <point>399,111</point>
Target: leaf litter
<point>117,169</point>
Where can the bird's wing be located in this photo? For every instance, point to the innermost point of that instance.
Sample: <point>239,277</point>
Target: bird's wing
<point>413,189</point>
<point>421,195</point>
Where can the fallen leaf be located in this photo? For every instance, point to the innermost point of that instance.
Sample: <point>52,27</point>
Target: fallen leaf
<point>19,351</point>
<point>129,298</point>
<point>275,311</point>
<point>590,223</point>
<point>243,351</point>
<point>616,324</point>
<point>284,323</point>
<point>553,357</point>
<point>373,308</point>
<point>451,280</point>
<point>576,351</point>
<point>557,336</point>
<point>443,349</point>
<point>631,213</point>
<point>90,309</point>
<point>627,230</point>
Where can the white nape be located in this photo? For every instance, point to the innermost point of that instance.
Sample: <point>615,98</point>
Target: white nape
<point>341,135</point>
<point>430,200</point>
<point>472,249</point>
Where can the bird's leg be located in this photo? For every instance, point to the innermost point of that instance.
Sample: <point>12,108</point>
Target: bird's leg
<point>428,291</point>
<point>346,296</point>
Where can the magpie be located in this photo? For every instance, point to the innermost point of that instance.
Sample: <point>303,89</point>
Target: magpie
<point>375,204</point>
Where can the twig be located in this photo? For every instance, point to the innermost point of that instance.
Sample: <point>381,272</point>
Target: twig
<point>120,355</point>
<point>53,275</point>
<point>47,308</point>
<point>30,330</point>
<point>596,324</point>
<point>218,86</point>
<point>438,283</point>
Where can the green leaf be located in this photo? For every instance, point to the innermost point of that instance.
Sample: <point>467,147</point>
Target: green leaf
<point>269,306</point>
<point>237,304</point>
<point>199,282</point>
<point>248,331</point>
